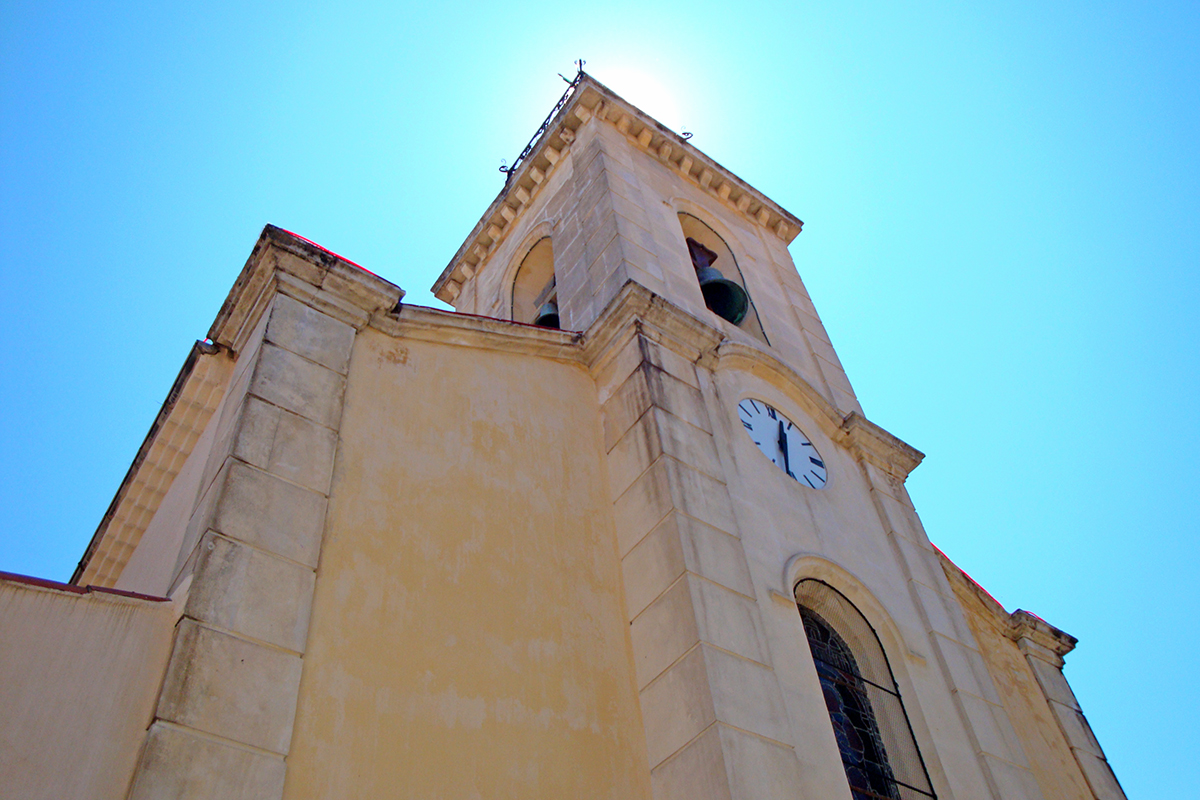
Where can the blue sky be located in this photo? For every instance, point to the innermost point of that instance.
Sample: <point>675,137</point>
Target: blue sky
<point>1001,236</point>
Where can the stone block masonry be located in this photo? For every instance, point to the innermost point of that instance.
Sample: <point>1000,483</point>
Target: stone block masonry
<point>711,704</point>
<point>225,715</point>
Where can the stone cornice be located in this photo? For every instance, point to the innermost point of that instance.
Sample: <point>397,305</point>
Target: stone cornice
<point>486,333</point>
<point>185,413</point>
<point>636,309</point>
<point>301,268</point>
<point>879,447</point>
<point>593,100</point>
<point>751,358</point>
<point>1023,625</point>
<point>1033,634</point>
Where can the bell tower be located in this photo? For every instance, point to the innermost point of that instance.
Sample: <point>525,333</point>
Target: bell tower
<point>793,632</point>
<point>624,199</point>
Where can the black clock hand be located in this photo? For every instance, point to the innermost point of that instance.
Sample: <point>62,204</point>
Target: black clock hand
<point>787,467</point>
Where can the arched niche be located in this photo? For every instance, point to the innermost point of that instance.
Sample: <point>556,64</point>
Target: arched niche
<point>723,259</point>
<point>533,284</point>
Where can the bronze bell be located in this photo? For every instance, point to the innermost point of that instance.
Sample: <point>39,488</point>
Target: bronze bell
<point>547,315</point>
<point>727,299</point>
<point>723,297</point>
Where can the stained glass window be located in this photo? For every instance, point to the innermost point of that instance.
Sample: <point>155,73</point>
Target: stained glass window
<point>875,741</point>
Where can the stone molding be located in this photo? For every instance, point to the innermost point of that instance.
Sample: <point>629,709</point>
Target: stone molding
<point>542,230</point>
<point>1021,626</point>
<point>864,438</point>
<point>879,447</point>
<point>808,565</point>
<point>637,310</point>
<point>185,413</point>
<point>1025,625</point>
<point>593,100</point>
<point>485,333</point>
<point>700,342</point>
<point>341,287</point>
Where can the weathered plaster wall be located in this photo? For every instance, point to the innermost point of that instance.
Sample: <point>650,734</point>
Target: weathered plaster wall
<point>79,674</point>
<point>467,635</point>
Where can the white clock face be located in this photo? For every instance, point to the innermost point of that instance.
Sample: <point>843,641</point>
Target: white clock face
<point>781,441</point>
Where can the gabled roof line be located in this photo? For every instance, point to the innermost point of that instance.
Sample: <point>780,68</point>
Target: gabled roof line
<point>593,99</point>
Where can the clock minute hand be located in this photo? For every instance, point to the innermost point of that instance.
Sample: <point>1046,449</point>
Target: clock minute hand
<point>783,448</point>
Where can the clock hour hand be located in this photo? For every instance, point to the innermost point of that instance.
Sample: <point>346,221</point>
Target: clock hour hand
<point>787,467</point>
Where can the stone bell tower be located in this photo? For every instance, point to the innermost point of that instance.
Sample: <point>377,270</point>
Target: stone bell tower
<point>619,221</point>
<point>612,189</point>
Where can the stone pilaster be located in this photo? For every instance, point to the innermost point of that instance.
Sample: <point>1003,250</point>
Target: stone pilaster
<point>1044,647</point>
<point>711,702</point>
<point>224,720</point>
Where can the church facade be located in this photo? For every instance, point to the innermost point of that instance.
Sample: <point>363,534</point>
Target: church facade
<point>616,527</point>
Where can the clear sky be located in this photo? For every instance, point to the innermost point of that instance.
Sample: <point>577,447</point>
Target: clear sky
<point>1001,236</point>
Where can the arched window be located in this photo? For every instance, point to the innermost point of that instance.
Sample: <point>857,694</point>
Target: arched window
<point>534,293</point>
<point>879,752</point>
<point>708,251</point>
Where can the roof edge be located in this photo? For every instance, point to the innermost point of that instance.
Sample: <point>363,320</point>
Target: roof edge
<point>69,588</point>
<point>324,269</point>
<point>280,262</point>
<point>592,99</point>
<point>178,388</point>
<point>1017,626</point>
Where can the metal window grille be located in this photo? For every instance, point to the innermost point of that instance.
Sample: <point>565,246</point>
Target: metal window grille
<point>878,749</point>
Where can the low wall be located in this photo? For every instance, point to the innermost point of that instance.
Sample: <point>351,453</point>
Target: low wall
<point>80,671</point>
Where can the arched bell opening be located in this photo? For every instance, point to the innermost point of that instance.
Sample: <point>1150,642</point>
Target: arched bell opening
<point>721,281</point>
<point>534,291</point>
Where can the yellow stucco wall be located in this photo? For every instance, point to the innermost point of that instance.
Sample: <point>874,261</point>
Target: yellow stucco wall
<point>1050,758</point>
<point>467,635</point>
<point>79,674</point>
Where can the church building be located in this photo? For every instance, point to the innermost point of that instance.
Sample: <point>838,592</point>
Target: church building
<point>615,528</point>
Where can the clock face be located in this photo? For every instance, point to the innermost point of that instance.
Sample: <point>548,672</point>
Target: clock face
<point>781,441</point>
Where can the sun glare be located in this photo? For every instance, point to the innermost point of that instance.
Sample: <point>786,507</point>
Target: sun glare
<point>645,91</point>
